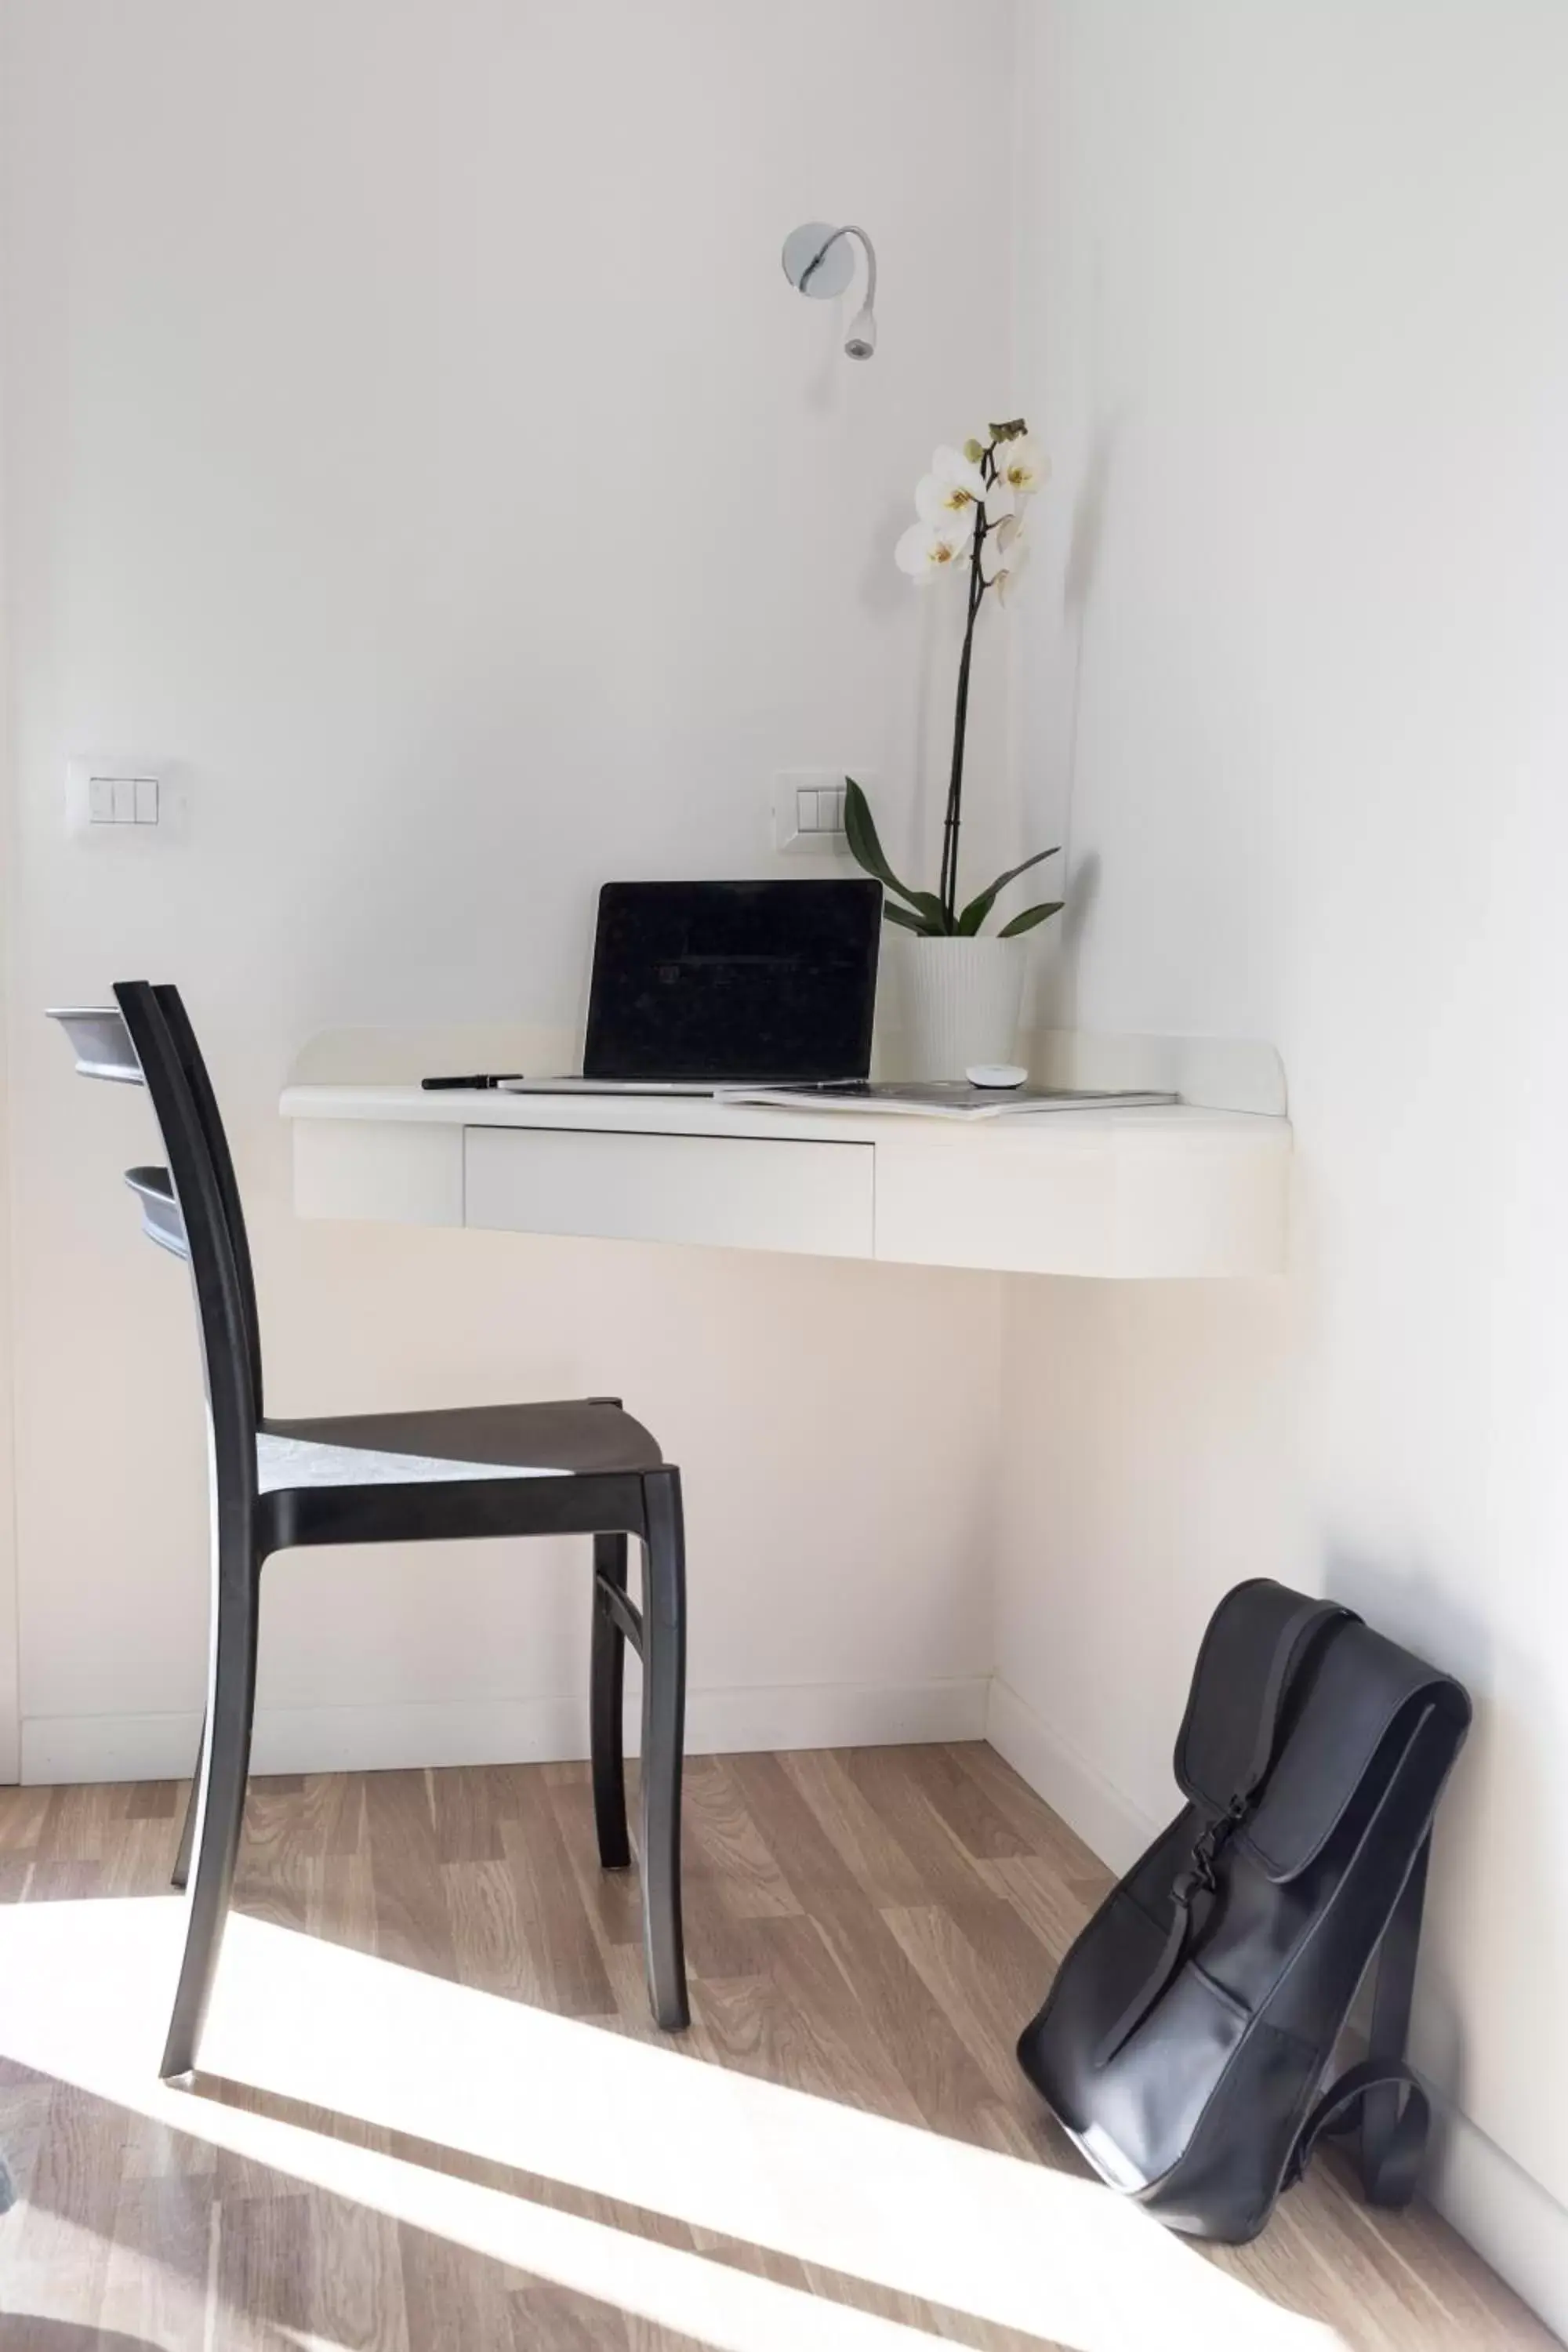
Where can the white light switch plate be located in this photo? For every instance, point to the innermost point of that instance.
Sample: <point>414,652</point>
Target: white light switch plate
<point>808,812</point>
<point>124,800</point>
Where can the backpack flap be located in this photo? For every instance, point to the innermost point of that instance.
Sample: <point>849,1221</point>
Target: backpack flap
<point>1364,1696</point>
<point>1258,1643</point>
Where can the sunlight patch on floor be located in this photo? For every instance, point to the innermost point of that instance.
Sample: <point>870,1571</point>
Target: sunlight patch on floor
<point>84,1990</point>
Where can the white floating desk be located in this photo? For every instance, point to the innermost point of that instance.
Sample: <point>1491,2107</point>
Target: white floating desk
<point>1126,1195</point>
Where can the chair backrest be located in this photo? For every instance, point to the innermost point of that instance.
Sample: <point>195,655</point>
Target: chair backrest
<point>103,1049</point>
<point>186,1209</point>
<point>184,1038</point>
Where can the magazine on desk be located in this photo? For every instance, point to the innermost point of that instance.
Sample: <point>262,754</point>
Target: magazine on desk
<point>937,1098</point>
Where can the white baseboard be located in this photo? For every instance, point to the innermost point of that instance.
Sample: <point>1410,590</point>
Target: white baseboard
<point>502,1731</point>
<point>1513,2223</point>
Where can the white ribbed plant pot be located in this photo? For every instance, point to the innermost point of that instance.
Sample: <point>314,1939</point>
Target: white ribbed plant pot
<point>964,998</point>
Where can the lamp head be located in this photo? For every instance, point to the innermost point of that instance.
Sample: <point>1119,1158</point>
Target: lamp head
<point>818,260</point>
<point>861,341</point>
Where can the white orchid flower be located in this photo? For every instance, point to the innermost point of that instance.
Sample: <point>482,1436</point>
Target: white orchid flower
<point>1007,532</point>
<point>927,548</point>
<point>1022,465</point>
<point>953,488</point>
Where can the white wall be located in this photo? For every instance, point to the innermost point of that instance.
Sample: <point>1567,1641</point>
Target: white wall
<point>1292,286</point>
<point>10,1724</point>
<point>412,433</point>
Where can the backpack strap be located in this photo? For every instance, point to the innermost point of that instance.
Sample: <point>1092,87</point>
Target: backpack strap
<point>1391,2167</point>
<point>1393,2132</point>
<point>1295,1636</point>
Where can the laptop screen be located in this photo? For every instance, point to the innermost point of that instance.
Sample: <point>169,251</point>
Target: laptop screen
<point>733,980</point>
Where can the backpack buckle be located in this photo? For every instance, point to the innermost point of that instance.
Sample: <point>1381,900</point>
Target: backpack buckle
<point>1199,1877</point>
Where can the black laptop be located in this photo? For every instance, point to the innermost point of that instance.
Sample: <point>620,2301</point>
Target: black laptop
<point>698,985</point>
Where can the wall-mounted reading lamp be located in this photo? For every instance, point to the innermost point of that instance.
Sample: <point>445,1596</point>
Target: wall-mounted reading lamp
<point>818,260</point>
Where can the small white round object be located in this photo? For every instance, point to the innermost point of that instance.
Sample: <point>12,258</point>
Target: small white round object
<point>995,1074</point>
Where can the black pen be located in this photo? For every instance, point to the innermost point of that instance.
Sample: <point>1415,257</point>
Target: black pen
<point>482,1083</point>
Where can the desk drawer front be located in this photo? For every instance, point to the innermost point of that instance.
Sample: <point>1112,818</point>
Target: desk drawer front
<point>724,1190</point>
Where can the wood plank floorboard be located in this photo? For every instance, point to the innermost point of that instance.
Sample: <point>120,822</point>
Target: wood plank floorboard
<point>869,1928</point>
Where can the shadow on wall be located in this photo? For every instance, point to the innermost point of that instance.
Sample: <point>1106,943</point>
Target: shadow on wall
<point>1491,1783</point>
<point>1085,535</point>
<point>1059,984</point>
<point>1088,532</point>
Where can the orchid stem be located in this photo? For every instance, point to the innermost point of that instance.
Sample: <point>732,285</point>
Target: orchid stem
<point>947,887</point>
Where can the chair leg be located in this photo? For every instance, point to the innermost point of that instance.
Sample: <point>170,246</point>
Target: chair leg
<point>605,1685</point>
<point>225,1761</point>
<point>663,1730</point>
<point>181,1870</point>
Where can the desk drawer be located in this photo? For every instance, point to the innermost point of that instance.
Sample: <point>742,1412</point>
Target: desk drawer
<point>735,1191</point>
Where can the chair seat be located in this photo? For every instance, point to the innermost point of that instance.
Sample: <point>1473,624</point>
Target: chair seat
<point>466,1442</point>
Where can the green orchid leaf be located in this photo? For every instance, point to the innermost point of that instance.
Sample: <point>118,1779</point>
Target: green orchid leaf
<point>866,849</point>
<point>1029,918</point>
<point>905,918</point>
<point>974,914</point>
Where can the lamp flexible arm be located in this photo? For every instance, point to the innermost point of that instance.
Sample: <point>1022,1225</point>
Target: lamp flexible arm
<point>827,246</point>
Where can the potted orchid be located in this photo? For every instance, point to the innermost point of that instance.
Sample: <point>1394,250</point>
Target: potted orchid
<point>966,988</point>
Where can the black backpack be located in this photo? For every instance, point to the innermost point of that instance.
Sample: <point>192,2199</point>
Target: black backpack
<point>1187,2035</point>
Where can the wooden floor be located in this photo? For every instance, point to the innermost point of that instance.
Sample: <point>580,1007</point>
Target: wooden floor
<point>869,1927</point>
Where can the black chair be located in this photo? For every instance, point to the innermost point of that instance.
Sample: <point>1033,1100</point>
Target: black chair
<point>583,1468</point>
